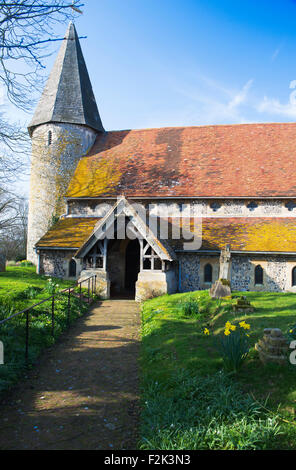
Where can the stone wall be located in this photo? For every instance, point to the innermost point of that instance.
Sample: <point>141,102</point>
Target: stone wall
<point>200,208</point>
<point>53,163</point>
<point>56,263</point>
<point>277,272</point>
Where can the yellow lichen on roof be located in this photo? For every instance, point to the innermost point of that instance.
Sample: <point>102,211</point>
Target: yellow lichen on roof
<point>94,177</point>
<point>68,233</point>
<point>266,234</point>
<point>253,234</point>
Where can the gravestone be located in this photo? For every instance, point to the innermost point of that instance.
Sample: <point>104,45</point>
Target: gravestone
<point>273,346</point>
<point>221,288</point>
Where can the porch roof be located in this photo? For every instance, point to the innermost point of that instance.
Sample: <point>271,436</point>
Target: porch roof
<point>69,232</point>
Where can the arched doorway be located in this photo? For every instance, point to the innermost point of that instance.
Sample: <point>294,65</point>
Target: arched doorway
<point>132,265</point>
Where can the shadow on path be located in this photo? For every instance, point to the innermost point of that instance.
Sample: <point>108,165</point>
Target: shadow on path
<point>84,392</point>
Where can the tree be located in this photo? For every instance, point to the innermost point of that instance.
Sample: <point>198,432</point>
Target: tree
<point>27,33</point>
<point>27,30</point>
<point>13,226</point>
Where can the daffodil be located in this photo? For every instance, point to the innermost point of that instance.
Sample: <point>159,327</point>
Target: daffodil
<point>227,332</point>
<point>206,331</point>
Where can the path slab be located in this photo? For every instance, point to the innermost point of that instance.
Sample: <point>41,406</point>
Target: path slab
<point>84,392</point>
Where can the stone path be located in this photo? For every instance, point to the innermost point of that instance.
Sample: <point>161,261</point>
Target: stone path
<point>84,392</point>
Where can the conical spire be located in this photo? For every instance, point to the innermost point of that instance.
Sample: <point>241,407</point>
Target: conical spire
<point>68,95</point>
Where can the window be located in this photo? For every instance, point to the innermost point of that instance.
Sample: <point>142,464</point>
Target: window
<point>72,268</point>
<point>258,275</point>
<point>252,206</point>
<point>49,138</point>
<point>294,276</point>
<point>208,273</point>
<point>215,206</point>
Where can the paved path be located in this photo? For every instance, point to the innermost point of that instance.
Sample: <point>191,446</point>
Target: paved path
<point>84,392</point>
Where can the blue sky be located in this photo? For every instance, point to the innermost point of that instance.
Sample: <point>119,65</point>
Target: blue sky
<point>158,63</point>
<point>189,62</point>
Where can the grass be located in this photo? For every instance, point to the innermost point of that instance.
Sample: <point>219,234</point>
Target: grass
<point>18,279</point>
<point>21,287</point>
<point>173,344</point>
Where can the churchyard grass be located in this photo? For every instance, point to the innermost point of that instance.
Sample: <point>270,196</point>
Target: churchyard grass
<point>189,401</point>
<point>21,287</point>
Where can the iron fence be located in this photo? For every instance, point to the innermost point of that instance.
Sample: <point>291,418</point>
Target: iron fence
<point>91,289</point>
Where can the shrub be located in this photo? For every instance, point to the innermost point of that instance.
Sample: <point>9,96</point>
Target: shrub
<point>25,262</point>
<point>51,286</point>
<point>189,308</point>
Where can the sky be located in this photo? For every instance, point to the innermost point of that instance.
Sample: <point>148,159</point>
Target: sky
<point>187,62</point>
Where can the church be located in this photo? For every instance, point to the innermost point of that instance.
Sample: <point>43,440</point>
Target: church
<point>149,211</point>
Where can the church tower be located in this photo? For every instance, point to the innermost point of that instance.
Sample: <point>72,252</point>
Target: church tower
<point>63,129</point>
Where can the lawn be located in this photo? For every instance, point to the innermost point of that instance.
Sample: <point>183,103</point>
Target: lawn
<point>181,373</point>
<point>17,279</point>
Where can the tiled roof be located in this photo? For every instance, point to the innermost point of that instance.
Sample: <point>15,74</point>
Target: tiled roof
<point>68,233</point>
<point>263,234</point>
<point>245,160</point>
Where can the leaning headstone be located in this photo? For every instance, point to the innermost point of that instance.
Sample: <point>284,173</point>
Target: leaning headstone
<point>273,346</point>
<point>220,288</point>
<point>2,261</point>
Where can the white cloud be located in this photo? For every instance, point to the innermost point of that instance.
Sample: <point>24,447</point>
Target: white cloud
<point>274,106</point>
<point>241,96</point>
<point>213,103</point>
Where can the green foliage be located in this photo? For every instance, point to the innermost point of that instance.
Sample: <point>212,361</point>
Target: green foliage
<point>291,332</point>
<point>172,342</point>
<point>233,345</point>
<point>12,334</point>
<point>191,412</point>
<point>189,308</point>
<point>25,262</point>
<point>52,286</point>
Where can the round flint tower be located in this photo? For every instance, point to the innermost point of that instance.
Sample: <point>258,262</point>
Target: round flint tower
<point>63,129</point>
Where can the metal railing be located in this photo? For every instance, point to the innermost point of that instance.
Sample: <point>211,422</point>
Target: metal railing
<point>91,289</point>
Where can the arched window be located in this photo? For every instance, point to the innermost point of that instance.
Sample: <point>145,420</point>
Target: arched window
<point>258,275</point>
<point>72,268</point>
<point>294,276</point>
<point>208,273</point>
<point>49,138</point>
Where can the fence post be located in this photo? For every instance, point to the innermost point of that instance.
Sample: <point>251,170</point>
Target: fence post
<point>88,288</point>
<point>80,291</point>
<point>69,305</point>
<point>27,338</point>
<point>95,283</point>
<point>52,316</point>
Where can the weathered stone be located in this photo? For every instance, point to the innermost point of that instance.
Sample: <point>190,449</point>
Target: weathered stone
<point>219,290</point>
<point>152,284</point>
<point>273,346</point>
<point>102,286</point>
